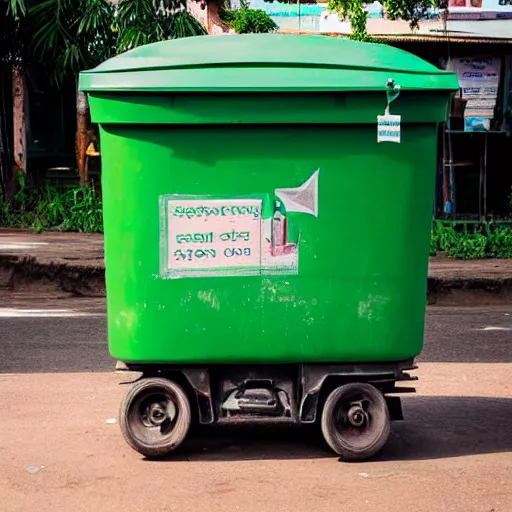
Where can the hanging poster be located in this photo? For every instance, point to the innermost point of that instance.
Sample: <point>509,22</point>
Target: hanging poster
<point>479,79</point>
<point>479,9</point>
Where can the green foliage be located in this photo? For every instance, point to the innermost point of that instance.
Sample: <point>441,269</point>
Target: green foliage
<point>410,10</point>
<point>248,21</point>
<point>72,35</point>
<point>499,242</point>
<point>141,22</point>
<point>53,208</point>
<point>442,237</point>
<point>65,41</point>
<point>486,241</point>
<point>355,12</point>
<point>13,7</point>
<point>12,46</point>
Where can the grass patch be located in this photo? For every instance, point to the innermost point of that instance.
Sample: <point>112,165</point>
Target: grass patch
<point>476,242</point>
<point>52,208</point>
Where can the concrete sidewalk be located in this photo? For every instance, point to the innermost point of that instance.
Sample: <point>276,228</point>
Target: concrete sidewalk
<point>73,263</point>
<point>80,249</point>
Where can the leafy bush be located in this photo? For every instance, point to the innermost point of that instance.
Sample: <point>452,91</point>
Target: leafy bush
<point>53,208</point>
<point>484,241</point>
<point>248,21</point>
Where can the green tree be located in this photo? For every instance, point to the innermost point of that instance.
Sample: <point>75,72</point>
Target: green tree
<point>66,36</point>
<point>245,20</point>
<point>11,12</point>
<point>71,35</point>
<point>409,10</point>
<point>13,56</point>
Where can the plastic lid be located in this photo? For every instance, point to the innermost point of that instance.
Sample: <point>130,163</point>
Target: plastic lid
<point>265,62</point>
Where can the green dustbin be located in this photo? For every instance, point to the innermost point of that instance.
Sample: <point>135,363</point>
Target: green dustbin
<point>267,211</point>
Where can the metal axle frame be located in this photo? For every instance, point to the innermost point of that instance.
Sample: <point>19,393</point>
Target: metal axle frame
<point>306,384</point>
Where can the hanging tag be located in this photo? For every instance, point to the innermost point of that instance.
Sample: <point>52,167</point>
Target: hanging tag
<point>388,126</point>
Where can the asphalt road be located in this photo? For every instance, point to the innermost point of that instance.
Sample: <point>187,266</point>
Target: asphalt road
<point>43,338</point>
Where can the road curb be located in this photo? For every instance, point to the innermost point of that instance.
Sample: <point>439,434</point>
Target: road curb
<point>26,273</point>
<point>476,291</point>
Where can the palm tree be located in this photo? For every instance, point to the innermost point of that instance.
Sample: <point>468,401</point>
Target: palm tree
<point>69,36</point>
<point>12,54</point>
<point>11,11</point>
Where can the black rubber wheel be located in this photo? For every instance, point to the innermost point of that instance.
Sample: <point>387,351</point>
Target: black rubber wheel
<point>355,421</point>
<point>155,417</point>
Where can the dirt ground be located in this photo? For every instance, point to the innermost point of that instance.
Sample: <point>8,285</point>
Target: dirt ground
<point>61,449</point>
<point>443,267</point>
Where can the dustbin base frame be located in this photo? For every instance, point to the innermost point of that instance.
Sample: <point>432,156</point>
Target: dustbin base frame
<point>305,385</point>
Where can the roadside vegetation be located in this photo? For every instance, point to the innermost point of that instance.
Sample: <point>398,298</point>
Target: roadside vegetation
<point>53,208</point>
<point>74,208</point>
<point>478,241</point>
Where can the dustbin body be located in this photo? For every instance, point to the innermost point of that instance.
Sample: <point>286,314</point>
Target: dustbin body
<point>250,214</point>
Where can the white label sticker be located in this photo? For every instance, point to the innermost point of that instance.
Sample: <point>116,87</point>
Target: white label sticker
<point>206,237</point>
<point>219,236</point>
<point>388,128</point>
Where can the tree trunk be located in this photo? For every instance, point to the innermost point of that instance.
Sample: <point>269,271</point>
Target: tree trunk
<point>214,25</point>
<point>82,127</point>
<point>19,120</point>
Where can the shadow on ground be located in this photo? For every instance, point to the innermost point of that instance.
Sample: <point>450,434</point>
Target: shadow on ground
<point>449,426</point>
<point>434,428</point>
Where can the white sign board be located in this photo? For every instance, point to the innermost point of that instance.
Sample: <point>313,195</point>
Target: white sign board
<point>213,237</point>
<point>479,9</point>
<point>388,128</point>
<point>479,79</point>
